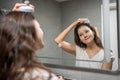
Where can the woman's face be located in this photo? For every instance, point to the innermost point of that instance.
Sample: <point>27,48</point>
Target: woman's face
<point>39,35</point>
<point>86,35</point>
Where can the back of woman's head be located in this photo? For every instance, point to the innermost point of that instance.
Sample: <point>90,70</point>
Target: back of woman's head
<point>79,42</point>
<point>17,40</point>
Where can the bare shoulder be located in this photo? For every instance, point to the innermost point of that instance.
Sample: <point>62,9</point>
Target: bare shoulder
<point>37,74</point>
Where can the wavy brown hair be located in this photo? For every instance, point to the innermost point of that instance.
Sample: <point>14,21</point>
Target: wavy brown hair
<point>79,42</point>
<point>17,43</point>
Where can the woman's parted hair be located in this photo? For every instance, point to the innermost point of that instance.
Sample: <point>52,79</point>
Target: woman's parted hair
<point>79,42</point>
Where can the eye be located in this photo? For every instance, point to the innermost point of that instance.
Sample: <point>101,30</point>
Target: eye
<point>86,31</point>
<point>80,35</point>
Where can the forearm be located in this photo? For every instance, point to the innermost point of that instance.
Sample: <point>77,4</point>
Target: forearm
<point>63,34</point>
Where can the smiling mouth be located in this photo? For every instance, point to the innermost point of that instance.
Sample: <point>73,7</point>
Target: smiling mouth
<point>87,38</point>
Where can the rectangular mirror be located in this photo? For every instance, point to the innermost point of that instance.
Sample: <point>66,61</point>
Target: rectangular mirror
<point>56,15</point>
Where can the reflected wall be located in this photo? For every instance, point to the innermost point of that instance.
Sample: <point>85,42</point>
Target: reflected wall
<point>8,4</point>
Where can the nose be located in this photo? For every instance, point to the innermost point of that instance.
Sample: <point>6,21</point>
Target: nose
<point>85,35</point>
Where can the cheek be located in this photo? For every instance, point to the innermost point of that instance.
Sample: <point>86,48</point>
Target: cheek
<point>39,34</point>
<point>39,38</point>
<point>81,39</point>
<point>92,35</point>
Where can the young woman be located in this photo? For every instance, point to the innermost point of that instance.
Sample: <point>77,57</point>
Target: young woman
<point>88,45</point>
<point>20,36</point>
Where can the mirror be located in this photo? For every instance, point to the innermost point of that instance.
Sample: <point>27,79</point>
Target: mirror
<point>55,15</point>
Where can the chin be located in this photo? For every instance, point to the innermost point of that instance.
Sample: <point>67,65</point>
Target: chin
<point>87,42</point>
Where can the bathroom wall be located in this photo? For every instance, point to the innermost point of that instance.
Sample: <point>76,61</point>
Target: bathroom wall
<point>48,13</point>
<point>8,4</point>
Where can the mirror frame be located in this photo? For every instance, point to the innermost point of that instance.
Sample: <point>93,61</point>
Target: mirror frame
<point>118,26</point>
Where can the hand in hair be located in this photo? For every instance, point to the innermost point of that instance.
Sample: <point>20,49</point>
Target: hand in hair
<point>18,5</point>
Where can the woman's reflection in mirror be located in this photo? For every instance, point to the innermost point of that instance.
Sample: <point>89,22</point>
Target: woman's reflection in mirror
<point>88,45</point>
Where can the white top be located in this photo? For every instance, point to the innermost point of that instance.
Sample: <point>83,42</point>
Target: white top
<point>82,55</point>
<point>94,62</point>
<point>39,74</point>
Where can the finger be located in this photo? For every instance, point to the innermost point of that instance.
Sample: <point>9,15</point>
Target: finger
<point>82,20</point>
<point>17,6</point>
<point>31,6</point>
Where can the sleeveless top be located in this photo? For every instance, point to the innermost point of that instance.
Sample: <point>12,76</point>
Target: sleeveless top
<point>94,62</point>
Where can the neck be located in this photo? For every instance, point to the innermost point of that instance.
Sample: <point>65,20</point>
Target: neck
<point>92,45</point>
